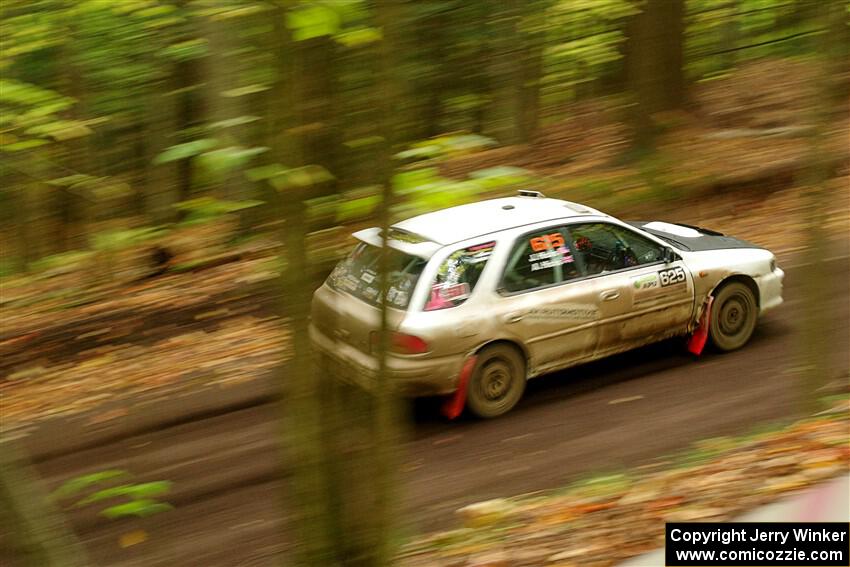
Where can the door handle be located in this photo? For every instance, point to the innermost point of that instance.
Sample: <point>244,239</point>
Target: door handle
<point>513,318</point>
<point>610,295</point>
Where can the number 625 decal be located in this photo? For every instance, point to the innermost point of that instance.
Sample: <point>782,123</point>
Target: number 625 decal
<point>671,276</point>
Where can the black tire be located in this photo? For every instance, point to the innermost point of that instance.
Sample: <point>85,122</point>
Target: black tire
<point>497,382</point>
<point>734,315</point>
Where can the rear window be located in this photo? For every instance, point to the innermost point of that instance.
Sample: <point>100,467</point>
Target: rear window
<point>358,275</point>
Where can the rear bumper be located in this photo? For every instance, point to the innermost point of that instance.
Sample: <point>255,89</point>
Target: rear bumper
<point>408,376</point>
<point>770,290</point>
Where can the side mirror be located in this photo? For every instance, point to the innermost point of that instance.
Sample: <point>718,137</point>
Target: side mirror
<point>669,255</point>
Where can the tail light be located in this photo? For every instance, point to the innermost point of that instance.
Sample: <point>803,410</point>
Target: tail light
<point>400,343</point>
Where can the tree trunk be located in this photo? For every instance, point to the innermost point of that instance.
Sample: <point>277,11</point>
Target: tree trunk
<point>436,84</point>
<point>36,531</point>
<point>816,352</point>
<point>730,33</point>
<point>72,208</point>
<point>220,68</point>
<point>531,73</point>
<point>387,427</point>
<point>24,219</point>
<point>506,74</point>
<point>315,106</point>
<point>303,425</point>
<point>158,181</point>
<point>284,147</point>
<point>655,65</point>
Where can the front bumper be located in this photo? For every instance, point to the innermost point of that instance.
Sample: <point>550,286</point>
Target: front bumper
<point>770,289</point>
<point>408,376</point>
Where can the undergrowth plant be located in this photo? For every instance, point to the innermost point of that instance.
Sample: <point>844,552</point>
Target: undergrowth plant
<point>127,499</point>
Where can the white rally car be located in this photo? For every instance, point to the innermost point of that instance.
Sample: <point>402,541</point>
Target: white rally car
<point>484,296</point>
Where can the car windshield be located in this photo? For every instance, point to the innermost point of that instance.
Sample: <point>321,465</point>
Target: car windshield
<point>358,275</point>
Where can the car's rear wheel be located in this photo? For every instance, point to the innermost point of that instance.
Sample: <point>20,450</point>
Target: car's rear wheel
<point>497,382</point>
<point>734,314</point>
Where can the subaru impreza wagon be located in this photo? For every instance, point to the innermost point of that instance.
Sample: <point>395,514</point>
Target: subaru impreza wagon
<point>484,296</point>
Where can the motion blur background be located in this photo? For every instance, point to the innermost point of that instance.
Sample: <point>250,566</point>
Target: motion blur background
<point>177,176</point>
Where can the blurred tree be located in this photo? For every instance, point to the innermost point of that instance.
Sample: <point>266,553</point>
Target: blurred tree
<point>186,78</point>
<point>506,72</point>
<point>816,349</point>
<point>38,533</point>
<point>655,64</point>
<point>313,26</point>
<point>302,423</point>
<point>387,417</point>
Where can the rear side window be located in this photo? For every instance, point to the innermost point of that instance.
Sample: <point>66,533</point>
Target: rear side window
<point>358,275</point>
<point>457,276</point>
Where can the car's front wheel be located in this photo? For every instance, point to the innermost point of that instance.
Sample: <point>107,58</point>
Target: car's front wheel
<point>497,382</point>
<point>734,314</point>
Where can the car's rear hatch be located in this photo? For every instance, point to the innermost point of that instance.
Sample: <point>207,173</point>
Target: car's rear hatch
<point>347,307</point>
<point>342,317</point>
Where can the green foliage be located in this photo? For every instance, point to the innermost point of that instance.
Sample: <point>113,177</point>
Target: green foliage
<point>300,177</point>
<point>10,144</point>
<point>359,37</point>
<point>114,240</point>
<point>722,34</point>
<point>92,91</point>
<point>501,176</point>
<point>80,483</point>
<point>584,44</point>
<point>425,190</point>
<point>601,486</point>
<point>185,50</point>
<point>29,117</point>
<point>71,181</point>
<point>38,101</point>
<point>246,90</point>
<point>137,508</point>
<point>7,268</point>
<point>205,209</point>
<point>446,146</point>
<point>322,210</point>
<point>223,161</point>
<point>308,21</point>
<point>265,172</point>
<point>359,204</point>
<point>185,150</point>
<point>233,122</point>
<point>61,262</point>
<point>140,497</point>
<point>142,491</point>
<point>419,190</point>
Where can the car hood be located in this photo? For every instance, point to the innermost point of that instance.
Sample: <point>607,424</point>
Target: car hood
<point>691,238</point>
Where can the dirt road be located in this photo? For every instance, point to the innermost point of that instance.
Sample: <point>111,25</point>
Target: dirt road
<point>621,412</point>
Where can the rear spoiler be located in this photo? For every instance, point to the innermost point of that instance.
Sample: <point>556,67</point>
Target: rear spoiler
<point>422,248</point>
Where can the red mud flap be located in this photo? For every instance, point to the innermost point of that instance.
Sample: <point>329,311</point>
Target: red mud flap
<point>697,341</point>
<point>453,406</point>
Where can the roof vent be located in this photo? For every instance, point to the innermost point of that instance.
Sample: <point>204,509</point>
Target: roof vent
<point>528,193</point>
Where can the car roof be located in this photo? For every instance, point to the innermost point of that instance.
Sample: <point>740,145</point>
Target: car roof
<point>493,215</point>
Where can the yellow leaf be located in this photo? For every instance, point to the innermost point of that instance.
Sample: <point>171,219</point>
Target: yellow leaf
<point>133,538</point>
